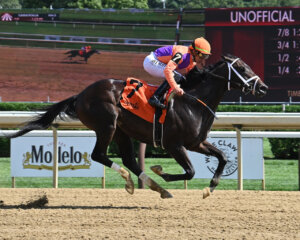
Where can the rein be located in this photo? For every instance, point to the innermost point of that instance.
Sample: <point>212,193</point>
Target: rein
<point>203,103</point>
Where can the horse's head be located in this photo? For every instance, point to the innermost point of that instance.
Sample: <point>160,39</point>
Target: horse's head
<point>241,76</point>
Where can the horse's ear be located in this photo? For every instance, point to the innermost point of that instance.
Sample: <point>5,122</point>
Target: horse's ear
<point>225,57</point>
<point>228,57</point>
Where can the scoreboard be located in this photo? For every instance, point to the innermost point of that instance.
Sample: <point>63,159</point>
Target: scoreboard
<point>282,57</point>
<point>267,39</point>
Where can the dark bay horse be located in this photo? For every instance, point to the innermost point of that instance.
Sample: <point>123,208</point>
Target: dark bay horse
<point>186,125</point>
<point>85,55</point>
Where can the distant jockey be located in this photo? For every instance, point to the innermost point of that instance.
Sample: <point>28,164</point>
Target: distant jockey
<point>84,49</point>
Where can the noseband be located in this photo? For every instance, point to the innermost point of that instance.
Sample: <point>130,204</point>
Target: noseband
<point>246,88</point>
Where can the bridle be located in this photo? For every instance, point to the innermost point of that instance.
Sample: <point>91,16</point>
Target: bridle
<point>247,87</point>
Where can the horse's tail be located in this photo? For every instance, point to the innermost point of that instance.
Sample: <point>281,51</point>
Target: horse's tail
<point>44,120</point>
<point>68,52</point>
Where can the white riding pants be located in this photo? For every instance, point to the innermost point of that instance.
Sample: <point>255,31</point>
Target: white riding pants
<point>154,67</point>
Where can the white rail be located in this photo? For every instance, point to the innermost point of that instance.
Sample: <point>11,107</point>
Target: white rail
<point>216,134</point>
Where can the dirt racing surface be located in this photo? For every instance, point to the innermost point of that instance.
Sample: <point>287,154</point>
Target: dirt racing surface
<point>114,214</point>
<point>38,74</point>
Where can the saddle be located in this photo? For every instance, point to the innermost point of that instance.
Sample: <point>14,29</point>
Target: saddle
<point>81,52</point>
<point>134,98</point>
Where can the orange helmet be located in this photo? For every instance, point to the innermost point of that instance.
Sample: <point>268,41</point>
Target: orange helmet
<point>201,45</point>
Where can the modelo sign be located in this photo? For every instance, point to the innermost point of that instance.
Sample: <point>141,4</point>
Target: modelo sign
<point>252,157</point>
<point>33,157</point>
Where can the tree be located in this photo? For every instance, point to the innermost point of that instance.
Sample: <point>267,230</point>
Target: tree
<point>141,4</point>
<point>36,3</point>
<point>222,3</point>
<point>155,3</point>
<point>12,4</point>
<point>91,4</point>
<point>122,4</point>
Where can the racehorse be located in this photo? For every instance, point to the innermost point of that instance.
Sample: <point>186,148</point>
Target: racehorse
<point>85,55</point>
<point>186,126</point>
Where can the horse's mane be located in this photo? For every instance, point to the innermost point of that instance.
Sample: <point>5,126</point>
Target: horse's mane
<point>197,76</point>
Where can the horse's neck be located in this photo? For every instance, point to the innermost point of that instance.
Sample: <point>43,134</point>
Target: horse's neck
<point>210,91</point>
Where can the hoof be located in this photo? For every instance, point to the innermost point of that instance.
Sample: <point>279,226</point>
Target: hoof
<point>206,192</point>
<point>165,194</point>
<point>157,169</point>
<point>129,186</point>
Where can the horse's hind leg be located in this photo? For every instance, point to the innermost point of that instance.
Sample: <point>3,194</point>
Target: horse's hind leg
<point>128,157</point>
<point>99,155</point>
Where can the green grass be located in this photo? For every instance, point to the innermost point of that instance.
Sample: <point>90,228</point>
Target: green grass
<point>267,149</point>
<point>279,175</point>
<point>112,31</point>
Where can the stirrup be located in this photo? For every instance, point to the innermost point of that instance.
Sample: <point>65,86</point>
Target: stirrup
<point>154,102</point>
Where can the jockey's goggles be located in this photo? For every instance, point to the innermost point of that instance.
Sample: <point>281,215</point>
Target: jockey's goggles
<point>202,55</point>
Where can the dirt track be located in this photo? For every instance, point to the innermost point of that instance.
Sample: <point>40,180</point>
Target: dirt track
<point>34,74</point>
<point>114,214</point>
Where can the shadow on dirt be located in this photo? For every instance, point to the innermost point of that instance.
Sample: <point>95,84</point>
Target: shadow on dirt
<point>72,62</point>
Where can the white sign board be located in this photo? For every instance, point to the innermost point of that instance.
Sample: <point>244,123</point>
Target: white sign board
<point>252,156</point>
<point>33,157</point>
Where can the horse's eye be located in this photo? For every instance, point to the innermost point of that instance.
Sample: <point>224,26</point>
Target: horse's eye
<point>242,69</point>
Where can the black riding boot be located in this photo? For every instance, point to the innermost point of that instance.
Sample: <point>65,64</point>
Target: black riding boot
<point>155,99</point>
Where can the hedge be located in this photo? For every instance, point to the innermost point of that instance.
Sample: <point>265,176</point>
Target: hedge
<point>29,106</point>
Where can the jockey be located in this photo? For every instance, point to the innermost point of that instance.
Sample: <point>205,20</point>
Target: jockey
<point>88,48</point>
<point>165,60</point>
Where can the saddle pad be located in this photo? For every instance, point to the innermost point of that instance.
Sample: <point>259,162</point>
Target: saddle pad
<point>135,99</point>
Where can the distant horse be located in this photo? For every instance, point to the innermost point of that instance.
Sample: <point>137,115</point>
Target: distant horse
<point>81,53</point>
<point>186,126</point>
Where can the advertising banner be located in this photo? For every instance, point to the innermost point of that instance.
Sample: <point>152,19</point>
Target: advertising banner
<point>252,155</point>
<point>33,157</point>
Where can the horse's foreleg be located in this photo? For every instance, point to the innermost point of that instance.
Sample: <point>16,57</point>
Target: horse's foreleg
<point>208,149</point>
<point>128,157</point>
<point>180,155</point>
